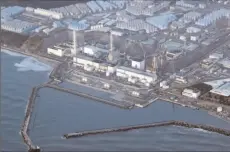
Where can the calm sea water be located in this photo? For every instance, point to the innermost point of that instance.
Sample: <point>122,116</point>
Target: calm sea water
<point>58,113</point>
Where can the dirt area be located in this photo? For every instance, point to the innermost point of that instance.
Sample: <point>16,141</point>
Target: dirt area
<point>13,39</point>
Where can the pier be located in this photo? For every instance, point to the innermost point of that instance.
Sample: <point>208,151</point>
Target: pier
<point>157,124</point>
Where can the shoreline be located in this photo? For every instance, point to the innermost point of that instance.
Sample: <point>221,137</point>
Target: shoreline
<point>42,59</point>
<point>53,63</point>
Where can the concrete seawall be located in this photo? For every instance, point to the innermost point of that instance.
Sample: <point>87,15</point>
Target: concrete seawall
<point>157,124</point>
<point>81,94</point>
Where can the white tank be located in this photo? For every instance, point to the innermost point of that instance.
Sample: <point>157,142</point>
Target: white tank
<point>219,109</point>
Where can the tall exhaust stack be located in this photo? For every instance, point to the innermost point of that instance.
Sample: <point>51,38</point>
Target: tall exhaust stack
<point>74,50</point>
<point>110,57</point>
<point>111,42</point>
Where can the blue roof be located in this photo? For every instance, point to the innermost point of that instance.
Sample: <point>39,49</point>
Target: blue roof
<point>9,11</point>
<point>162,20</point>
<point>58,24</point>
<point>75,25</point>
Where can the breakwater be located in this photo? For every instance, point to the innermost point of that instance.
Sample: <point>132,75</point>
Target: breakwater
<point>157,124</point>
<point>25,127</point>
<point>30,105</point>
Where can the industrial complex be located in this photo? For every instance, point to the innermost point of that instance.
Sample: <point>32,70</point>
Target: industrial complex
<point>138,44</point>
<point>138,51</point>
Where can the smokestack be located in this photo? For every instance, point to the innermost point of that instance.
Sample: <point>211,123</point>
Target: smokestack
<point>154,64</point>
<point>111,42</point>
<point>162,60</point>
<point>110,57</point>
<point>74,51</point>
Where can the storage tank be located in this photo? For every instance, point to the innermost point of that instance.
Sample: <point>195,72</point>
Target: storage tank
<point>135,94</point>
<point>219,109</point>
<point>84,79</point>
<point>106,86</point>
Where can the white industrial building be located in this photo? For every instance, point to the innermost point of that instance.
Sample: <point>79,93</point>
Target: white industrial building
<point>83,8</point>
<point>119,3</point>
<point>223,90</point>
<point>181,79</point>
<point>192,93</point>
<point>97,26</point>
<point>183,3</point>
<point>131,73</point>
<point>217,56</point>
<point>30,9</point>
<point>189,17</point>
<point>92,50</point>
<point>117,33</point>
<point>146,7</point>
<point>61,10</point>
<point>193,29</point>
<point>85,61</point>
<point>67,11</point>
<point>56,51</point>
<point>177,25</point>
<point>48,13</point>
<point>225,63</point>
<point>164,85</point>
<point>123,16</point>
<point>89,64</point>
<point>213,16</point>
<point>134,10</point>
<point>59,50</point>
<point>73,10</point>
<point>201,5</point>
<point>138,64</point>
<point>183,38</point>
<point>195,37</point>
<point>151,9</point>
<point>94,6</point>
<point>136,25</point>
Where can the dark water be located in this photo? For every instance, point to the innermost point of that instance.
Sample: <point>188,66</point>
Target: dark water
<point>59,113</point>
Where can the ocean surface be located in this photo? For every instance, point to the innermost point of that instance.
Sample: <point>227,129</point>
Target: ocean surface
<point>59,113</point>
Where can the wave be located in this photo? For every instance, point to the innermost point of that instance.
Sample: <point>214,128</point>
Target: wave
<point>12,53</point>
<point>32,64</point>
<point>200,130</point>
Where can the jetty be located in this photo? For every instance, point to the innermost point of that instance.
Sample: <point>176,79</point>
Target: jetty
<point>151,125</point>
